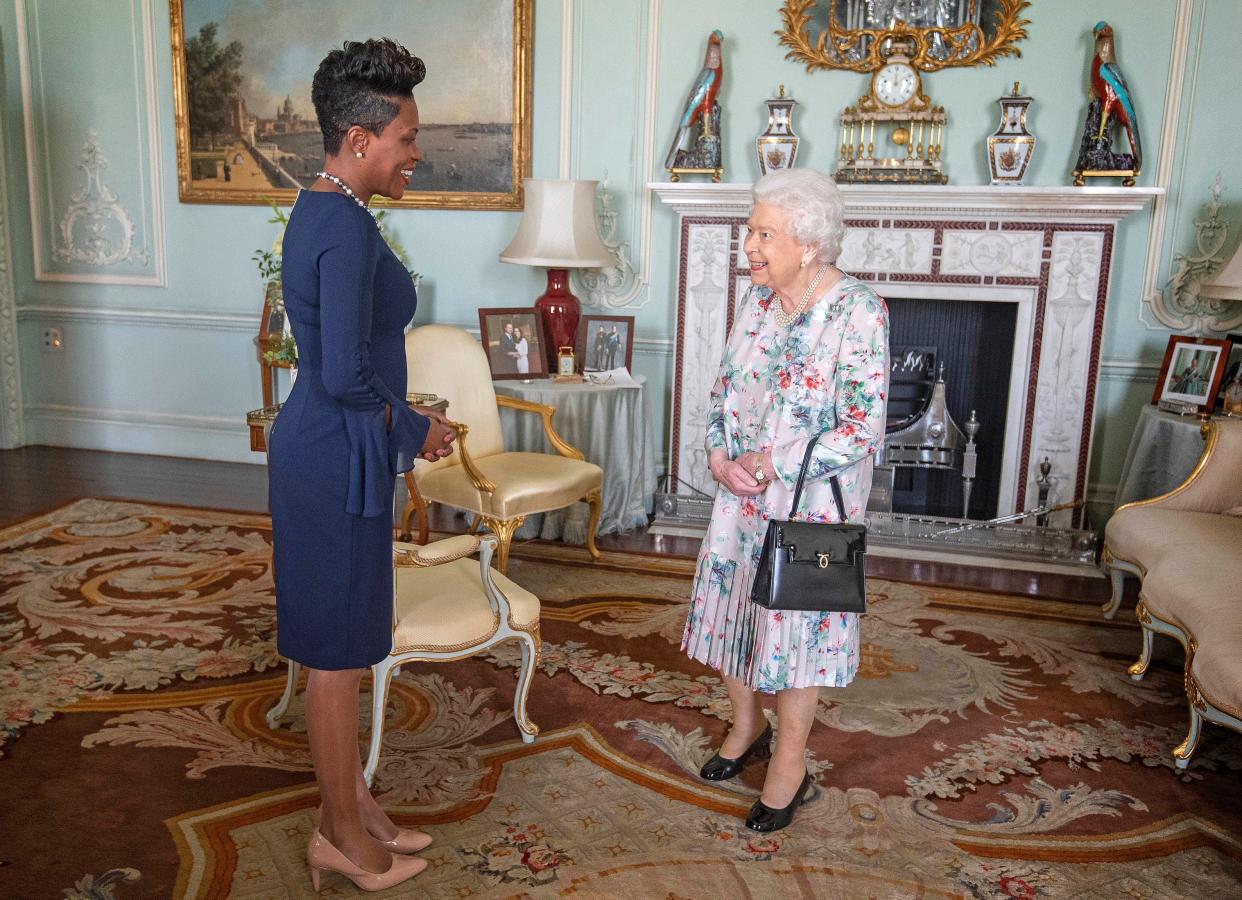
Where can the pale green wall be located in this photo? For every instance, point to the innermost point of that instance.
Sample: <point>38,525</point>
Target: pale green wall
<point>180,385</point>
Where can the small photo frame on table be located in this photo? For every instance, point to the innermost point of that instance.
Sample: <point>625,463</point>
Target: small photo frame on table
<point>514,340</point>
<point>605,342</point>
<point>1191,373</point>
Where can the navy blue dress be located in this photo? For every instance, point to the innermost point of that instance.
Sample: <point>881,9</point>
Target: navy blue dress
<point>331,459</point>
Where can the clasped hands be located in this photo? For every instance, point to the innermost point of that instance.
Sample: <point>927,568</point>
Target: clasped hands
<point>440,435</point>
<point>739,475</point>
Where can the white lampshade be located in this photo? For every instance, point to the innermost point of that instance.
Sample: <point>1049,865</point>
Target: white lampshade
<point>558,227</point>
<point>1227,283</point>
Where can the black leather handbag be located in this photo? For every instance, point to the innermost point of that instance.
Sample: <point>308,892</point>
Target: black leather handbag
<point>812,566</point>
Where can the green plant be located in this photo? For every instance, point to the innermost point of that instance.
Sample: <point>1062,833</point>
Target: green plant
<point>282,349</point>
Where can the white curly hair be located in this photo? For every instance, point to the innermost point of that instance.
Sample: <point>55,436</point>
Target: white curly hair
<point>814,205</point>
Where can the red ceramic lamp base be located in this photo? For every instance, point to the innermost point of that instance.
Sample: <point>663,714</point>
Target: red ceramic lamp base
<point>560,311</point>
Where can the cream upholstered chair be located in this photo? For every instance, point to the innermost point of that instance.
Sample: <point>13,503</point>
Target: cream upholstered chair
<point>446,606</point>
<point>498,487</point>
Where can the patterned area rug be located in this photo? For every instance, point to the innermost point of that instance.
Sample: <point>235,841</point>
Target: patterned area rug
<point>991,747</point>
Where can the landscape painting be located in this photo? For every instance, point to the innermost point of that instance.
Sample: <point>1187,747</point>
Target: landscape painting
<point>246,129</point>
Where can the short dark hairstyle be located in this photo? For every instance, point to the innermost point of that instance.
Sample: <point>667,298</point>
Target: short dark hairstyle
<point>360,84</point>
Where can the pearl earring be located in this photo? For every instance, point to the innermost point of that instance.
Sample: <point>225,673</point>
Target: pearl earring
<point>358,153</point>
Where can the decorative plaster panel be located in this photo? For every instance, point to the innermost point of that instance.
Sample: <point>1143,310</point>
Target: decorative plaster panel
<point>907,250</point>
<point>12,426</point>
<point>95,189</point>
<point>991,253</point>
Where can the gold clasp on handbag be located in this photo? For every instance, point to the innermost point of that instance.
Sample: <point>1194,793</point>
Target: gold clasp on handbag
<point>823,560</point>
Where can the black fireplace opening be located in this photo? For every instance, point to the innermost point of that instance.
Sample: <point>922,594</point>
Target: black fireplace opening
<point>974,341</point>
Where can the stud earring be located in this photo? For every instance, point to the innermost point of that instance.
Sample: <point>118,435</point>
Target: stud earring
<point>358,153</point>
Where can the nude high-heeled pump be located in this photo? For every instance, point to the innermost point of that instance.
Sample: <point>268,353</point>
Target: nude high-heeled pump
<point>407,840</point>
<point>321,855</point>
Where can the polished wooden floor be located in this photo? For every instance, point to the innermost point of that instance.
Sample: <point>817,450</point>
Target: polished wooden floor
<point>36,479</point>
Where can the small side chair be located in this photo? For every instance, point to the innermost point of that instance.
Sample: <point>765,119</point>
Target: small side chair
<point>446,607</point>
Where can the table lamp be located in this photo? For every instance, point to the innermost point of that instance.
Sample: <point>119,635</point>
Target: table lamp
<point>558,231</point>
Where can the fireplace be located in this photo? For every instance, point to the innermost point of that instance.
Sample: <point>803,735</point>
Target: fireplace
<point>1023,270</point>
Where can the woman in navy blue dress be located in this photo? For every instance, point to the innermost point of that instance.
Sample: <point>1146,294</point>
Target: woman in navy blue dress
<point>343,436</point>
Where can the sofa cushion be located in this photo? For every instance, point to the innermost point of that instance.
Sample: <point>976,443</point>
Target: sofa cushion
<point>1197,591</point>
<point>1147,536</point>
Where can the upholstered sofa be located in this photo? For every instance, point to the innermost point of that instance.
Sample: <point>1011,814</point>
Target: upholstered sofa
<point>1186,547</point>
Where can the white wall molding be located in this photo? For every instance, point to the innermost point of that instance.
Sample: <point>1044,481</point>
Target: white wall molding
<point>155,318</point>
<point>150,203</point>
<point>137,431</point>
<point>1129,370</point>
<point>12,426</point>
<point>617,293</point>
<point>1153,311</point>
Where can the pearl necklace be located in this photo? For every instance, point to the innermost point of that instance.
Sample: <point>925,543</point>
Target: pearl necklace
<point>784,319</point>
<point>328,176</point>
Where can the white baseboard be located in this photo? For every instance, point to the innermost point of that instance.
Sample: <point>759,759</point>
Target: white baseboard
<point>133,431</point>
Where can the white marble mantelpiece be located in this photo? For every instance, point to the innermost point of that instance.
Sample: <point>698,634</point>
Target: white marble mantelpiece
<point>1046,249</point>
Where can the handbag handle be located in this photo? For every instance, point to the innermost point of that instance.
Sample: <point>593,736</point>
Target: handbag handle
<point>836,485</point>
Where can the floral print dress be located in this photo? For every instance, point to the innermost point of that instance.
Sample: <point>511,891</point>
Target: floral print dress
<point>778,389</point>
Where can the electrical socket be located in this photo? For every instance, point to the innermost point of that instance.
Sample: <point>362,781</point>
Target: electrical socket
<point>53,340</point>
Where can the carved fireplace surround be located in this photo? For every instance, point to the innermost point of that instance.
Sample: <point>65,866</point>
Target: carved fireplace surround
<point>1046,249</point>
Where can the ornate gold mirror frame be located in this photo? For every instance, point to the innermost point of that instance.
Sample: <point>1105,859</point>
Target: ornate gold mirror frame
<point>935,47</point>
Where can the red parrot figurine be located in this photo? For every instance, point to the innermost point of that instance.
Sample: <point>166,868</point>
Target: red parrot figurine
<point>1110,87</point>
<point>702,96</point>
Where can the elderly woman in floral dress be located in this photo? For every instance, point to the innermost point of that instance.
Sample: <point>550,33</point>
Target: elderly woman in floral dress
<point>807,361</point>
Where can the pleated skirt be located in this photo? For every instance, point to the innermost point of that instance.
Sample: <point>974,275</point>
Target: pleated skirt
<point>769,650</point>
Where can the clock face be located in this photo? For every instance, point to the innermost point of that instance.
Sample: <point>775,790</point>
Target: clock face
<point>895,84</point>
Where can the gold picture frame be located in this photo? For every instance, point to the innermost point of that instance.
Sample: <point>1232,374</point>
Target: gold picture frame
<point>935,47</point>
<point>492,164</point>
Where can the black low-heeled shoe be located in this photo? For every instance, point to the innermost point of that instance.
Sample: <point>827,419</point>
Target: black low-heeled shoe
<point>721,768</point>
<point>764,818</point>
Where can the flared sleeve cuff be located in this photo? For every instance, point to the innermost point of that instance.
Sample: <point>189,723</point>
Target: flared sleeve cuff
<point>377,455</point>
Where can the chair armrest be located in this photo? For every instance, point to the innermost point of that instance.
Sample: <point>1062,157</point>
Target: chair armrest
<point>480,481</point>
<point>562,446</point>
<point>434,554</point>
<point>1214,485</point>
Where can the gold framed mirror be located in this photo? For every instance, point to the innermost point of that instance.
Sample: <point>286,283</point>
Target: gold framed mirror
<point>851,34</point>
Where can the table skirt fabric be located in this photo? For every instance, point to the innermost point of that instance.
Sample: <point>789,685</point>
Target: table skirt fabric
<point>612,427</point>
<point>1163,452</point>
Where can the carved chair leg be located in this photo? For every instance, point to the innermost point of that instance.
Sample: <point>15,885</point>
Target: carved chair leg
<point>595,501</point>
<point>415,505</point>
<point>1118,578</point>
<point>1139,669</point>
<point>1186,749</point>
<point>277,713</point>
<point>503,529</point>
<point>529,642</point>
<point>381,678</point>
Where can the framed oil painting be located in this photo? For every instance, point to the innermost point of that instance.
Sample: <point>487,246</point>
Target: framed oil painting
<point>1191,373</point>
<point>246,130</point>
<point>514,340</point>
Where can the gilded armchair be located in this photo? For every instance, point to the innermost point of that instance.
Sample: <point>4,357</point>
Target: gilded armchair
<point>499,488</point>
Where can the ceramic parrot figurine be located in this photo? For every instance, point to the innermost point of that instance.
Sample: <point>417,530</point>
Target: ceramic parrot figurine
<point>1108,84</point>
<point>699,102</point>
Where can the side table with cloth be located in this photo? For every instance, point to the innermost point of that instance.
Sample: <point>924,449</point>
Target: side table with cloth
<point>1163,451</point>
<point>611,425</point>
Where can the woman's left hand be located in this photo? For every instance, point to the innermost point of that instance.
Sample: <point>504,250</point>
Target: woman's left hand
<point>755,461</point>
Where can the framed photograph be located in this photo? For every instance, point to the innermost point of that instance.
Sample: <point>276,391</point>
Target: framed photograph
<point>1191,373</point>
<point>1233,366</point>
<point>605,342</point>
<point>246,130</point>
<point>514,340</point>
